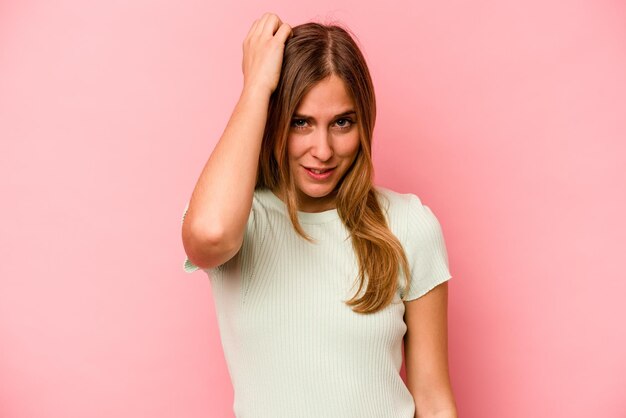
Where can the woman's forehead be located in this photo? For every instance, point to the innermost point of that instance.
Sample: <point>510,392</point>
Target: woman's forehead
<point>326,99</point>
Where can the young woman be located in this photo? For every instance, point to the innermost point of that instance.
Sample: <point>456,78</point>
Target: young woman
<point>320,278</point>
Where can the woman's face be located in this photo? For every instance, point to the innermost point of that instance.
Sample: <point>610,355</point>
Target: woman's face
<point>323,134</point>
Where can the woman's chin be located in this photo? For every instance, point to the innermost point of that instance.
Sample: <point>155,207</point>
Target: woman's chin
<point>317,191</point>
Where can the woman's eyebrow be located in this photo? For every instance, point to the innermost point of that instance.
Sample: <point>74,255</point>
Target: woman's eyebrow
<point>346,113</point>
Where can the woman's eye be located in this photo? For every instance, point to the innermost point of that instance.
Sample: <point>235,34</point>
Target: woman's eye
<point>344,123</point>
<point>298,123</point>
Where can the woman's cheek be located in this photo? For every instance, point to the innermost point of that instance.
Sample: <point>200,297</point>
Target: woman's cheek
<point>350,146</point>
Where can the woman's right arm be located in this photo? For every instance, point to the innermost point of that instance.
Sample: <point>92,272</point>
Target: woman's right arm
<point>220,204</point>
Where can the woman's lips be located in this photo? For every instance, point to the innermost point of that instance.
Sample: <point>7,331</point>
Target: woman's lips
<point>321,176</point>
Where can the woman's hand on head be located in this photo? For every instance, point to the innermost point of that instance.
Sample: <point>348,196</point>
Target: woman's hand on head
<point>263,51</point>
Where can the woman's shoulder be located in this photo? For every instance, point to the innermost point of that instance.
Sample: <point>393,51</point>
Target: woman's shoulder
<point>394,201</point>
<point>413,217</point>
<point>264,200</point>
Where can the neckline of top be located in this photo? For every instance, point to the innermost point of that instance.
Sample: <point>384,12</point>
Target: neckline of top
<point>304,217</point>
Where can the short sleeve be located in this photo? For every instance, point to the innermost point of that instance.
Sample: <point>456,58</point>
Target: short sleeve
<point>425,249</point>
<point>251,226</point>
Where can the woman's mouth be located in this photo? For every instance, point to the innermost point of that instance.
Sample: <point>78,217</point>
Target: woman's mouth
<point>319,174</point>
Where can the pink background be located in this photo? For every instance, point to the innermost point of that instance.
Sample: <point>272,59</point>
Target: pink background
<point>507,118</point>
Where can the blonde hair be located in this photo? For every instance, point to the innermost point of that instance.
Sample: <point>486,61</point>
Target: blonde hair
<point>314,52</point>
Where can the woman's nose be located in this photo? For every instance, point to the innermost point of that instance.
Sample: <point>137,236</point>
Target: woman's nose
<point>321,146</point>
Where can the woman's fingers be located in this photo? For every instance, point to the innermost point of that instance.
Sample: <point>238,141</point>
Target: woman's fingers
<point>283,32</point>
<point>251,31</point>
<point>271,23</point>
<point>263,51</point>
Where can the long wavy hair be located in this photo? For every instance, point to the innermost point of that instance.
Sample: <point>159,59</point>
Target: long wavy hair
<point>314,52</point>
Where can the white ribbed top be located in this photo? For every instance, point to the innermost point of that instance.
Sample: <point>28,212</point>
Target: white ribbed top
<point>292,347</point>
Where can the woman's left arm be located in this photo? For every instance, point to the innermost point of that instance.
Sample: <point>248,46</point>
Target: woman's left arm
<point>426,354</point>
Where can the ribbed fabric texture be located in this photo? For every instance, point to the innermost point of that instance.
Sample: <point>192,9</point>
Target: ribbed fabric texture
<point>293,348</point>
